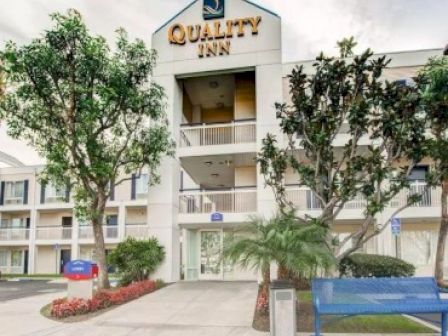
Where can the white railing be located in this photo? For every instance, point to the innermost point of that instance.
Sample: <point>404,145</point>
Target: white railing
<point>218,134</point>
<point>53,232</point>
<point>55,199</point>
<point>430,197</point>
<point>8,234</point>
<point>109,231</point>
<point>235,201</point>
<point>137,231</point>
<point>13,200</point>
<point>305,199</point>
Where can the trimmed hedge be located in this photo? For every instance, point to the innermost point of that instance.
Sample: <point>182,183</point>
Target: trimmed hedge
<point>360,265</point>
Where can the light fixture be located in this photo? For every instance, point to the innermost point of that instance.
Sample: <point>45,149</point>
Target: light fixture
<point>214,84</point>
<point>208,163</point>
<point>220,105</point>
<point>215,175</point>
<point>228,163</point>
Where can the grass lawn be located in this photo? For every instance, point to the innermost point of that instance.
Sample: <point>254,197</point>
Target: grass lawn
<point>336,324</point>
<point>31,276</point>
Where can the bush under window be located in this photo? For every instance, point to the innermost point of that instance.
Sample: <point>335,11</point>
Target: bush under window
<point>136,260</point>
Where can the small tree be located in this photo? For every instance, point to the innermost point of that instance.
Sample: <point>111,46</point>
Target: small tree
<point>136,260</point>
<point>92,113</point>
<point>346,98</point>
<point>435,98</point>
<point>295,249</point>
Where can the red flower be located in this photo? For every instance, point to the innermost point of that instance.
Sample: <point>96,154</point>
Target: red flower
<point>103,299</point>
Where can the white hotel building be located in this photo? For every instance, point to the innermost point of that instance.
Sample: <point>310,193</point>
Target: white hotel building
<point>221,87</point>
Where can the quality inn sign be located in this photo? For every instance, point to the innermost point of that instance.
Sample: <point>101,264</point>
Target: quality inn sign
<point>213,38</point>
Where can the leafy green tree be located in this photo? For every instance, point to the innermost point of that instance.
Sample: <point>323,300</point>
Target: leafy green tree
<point>136,260</point>
<point>294,248</point>
<point>91,112</point>
<point>435,99</point>
<point>382,131</point>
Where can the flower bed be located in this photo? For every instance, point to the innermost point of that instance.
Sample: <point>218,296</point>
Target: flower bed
<point>62,308</point>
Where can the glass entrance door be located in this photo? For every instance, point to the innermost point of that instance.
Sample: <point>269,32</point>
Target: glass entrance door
<point>210,257</point>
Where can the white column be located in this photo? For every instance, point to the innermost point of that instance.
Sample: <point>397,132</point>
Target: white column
<point>32,253</point>
<point>163,199</point>
<point>268,91</point>
<point>75,239</point>
<point>121,222</point>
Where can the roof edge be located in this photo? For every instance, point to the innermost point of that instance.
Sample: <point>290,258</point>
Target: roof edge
<point>262,8</point>
<point>194,1</point>
<point>175,16</point>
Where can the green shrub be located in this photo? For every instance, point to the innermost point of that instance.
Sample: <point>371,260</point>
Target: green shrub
<point>136,259</point>
<point>360,265</point>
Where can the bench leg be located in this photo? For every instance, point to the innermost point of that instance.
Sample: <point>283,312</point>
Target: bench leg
<point>316,324</point>
<point>444,324</point>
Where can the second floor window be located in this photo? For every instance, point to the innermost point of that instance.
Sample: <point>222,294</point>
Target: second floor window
<point>54,194</point>
<point>140,186</point>
<point>14,192</point>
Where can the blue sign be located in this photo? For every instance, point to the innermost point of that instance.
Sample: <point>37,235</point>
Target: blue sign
<point>395,224</point>
<point>213,9</point>
<point>217,217</point>
<point>78,269</point>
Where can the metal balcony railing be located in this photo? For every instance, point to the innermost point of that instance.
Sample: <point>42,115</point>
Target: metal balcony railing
<point>218,134</point>
<point>232,201</point>
<point>140,230</point>
<point>109,231</point>
<point>305,199</point>
<point>53,232</point>
<point>11,234</point>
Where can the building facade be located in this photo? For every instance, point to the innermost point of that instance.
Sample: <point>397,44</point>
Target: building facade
<point>220,63</point>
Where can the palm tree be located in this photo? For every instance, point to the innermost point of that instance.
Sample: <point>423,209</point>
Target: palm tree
<point>294,248</point>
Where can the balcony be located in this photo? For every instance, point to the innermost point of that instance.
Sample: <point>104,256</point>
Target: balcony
<point>138,231</point>
<point>109,232</point>
<point>240,133</point>
<point>14,234</point>
<point>305,199</point>
<point>53,233</point>
<point>196,207</point>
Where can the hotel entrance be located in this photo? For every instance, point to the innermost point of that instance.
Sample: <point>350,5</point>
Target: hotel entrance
<point>210,255</point>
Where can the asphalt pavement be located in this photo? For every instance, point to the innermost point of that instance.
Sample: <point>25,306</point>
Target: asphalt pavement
<point>12,290</point>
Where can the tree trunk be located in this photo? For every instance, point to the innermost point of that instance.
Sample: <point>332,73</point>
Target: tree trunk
<point>282,272</point>
<point>440,254</point>
<point>100,248</point>
<point>266,279</point>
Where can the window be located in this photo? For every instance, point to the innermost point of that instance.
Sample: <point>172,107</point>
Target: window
<point>16,258</point>
<point>3,258</point>
<point>142,186</point>
<point>13,223</point>
<point>54,193</point>
<point>14,192</point>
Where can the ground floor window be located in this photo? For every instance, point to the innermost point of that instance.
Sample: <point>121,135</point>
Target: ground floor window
<point>3,258</point>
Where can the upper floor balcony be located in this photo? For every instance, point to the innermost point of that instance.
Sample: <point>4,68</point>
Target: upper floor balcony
<point>109,232</point>
<point>305,200</point>
<point>14,234</point>
<point>53,233</point>
<point>137,230</point>
<point>235,204</point>
<point>218,138</point>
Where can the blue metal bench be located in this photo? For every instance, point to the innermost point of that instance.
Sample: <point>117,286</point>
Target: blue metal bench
<point>369,296</point>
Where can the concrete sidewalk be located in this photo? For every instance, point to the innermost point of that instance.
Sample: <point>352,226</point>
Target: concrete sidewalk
<point>186,308</point>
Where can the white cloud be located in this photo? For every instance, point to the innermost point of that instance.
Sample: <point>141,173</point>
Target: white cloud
<point>308,26</point>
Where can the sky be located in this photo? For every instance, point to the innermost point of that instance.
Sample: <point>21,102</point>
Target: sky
<point>309,26</point>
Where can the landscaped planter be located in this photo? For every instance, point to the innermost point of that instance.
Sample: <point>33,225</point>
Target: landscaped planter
<point>63,308</point>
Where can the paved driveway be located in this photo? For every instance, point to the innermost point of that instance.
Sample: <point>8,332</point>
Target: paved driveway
<point>185,308</point>
<point>12,290</point>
